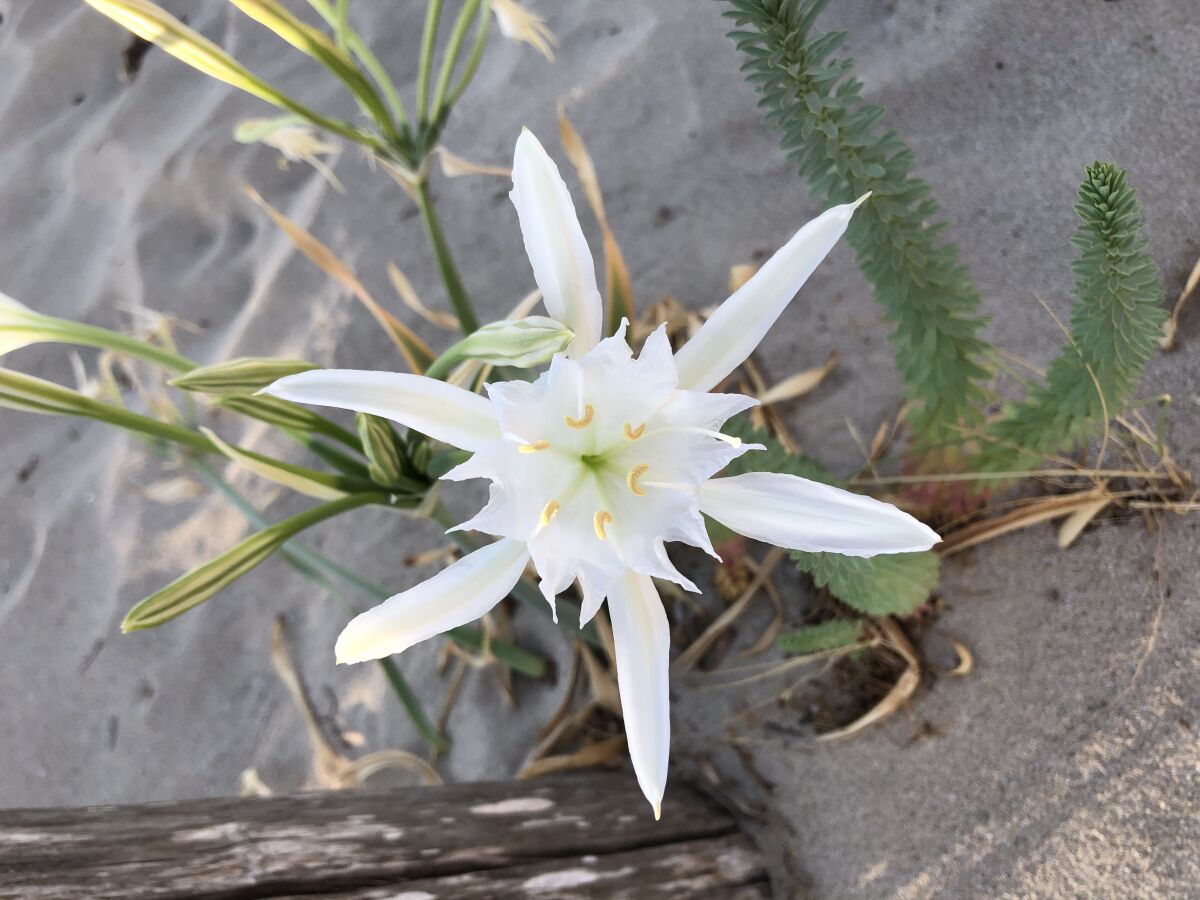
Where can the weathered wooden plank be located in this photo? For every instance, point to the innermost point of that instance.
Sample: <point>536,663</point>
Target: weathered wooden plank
<point>338,842</point>
<point>721,868</point>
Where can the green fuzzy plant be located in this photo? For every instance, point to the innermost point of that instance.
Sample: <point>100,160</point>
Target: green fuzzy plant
<point>811,98</point>
<point>1116,322</point>
<point>842,150</point>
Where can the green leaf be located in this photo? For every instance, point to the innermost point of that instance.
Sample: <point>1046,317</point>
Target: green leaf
<point>285,414</point>
<point>1115,324</point>
<point>831,635</point>
<point>309,482</point>
<point>31,394</point>
<point>200,584</point>
<point>888,584</point>
<point>893,584</point>
<point>154,24</point>
<point>316,44</point>
<point>834,138</point>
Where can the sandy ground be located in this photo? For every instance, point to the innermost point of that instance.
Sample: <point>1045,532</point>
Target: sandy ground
<point>1065,766</point>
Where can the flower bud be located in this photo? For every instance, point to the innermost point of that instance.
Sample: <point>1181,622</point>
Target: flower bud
<point>524,343</point>
<point>19,325</point>
<point>239,377</point>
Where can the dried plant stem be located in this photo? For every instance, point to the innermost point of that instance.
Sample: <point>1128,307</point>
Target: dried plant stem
<point>689,657</point>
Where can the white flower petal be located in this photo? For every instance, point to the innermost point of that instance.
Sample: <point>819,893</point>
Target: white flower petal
<point>455,596</point>
<point>725,341</point>
<point>643,642</point>
<point>562,263</point>
<point>442,411</point>
<point>800,514</point>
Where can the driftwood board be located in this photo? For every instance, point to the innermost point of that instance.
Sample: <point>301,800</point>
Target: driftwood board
<point>582,836</point>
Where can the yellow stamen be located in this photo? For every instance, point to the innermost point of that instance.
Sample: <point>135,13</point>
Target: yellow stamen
<point>602,518</point>
<point>535,447</point>
<point>631,479</point>
<point>589,412</point>
<point>634,433</point>
<point>550,511</point>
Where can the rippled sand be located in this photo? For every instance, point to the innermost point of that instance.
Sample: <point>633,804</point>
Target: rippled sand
<point>1052,772</point>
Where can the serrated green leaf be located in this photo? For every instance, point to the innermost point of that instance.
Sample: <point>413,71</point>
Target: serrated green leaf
<point>838,147</point>
<point>892,584</point>
<point>819,638</point>
<point>1116,321</point>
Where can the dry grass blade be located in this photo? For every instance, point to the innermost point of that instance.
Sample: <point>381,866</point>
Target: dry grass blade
<point>251,785</point>
<point>455,166</point>
<point>765,671</point>
<point>564,705</point>
<point>770,416</point>
<point>740,274</point>
<point>408,296</point>
<point>415,351</point>
<point>1043,510</point>
<point>618,285</point>
<point>766,640</point>
<point>1075,522</point>
<point>900,693</point>
<point>328,762</point>
<point>333,770</point>
<point>799,384</point>
<point>966,659</point>
<point>598,754</point>
<point>355,773</point>
<point>1172,324</point>
<point>601,684</point>
<point>689,657</point>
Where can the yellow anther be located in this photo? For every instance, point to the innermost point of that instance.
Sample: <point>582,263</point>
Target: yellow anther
<point>634,433</point>
<point>602,518</point>
<point>631,480</point>
<point>589,413</point>
<point>535,447</point>
<point>550,511</point>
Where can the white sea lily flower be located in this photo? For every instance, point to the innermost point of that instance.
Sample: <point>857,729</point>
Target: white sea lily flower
<point>605,458</point>
<point>520,25</point>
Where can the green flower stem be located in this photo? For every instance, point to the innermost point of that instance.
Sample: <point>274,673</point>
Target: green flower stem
<point>69,332</point>
<point>25,392</point>
<point>307,563</point>
<point>433,15</point>
<point>481,34</point>
<point>450,57</point>
<point>516,658</point>
<point>369,60</point>
<point>260,408</point>
<point>342,25</point>
<point>454,287</point>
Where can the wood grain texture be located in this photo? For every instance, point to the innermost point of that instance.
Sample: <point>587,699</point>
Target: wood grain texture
<point>584,835</point>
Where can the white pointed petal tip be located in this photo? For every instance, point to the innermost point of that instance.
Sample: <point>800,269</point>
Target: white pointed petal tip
<point>558,251</point>
<point>643,646</point>
<point>459,594</point>
<point>799,514</point>
<point>732,333</point>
